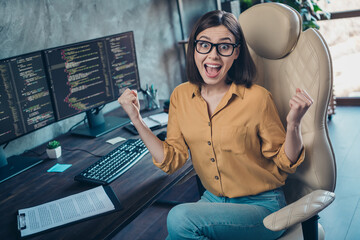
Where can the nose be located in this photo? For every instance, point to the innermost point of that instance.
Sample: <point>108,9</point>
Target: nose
<point>213,53</point>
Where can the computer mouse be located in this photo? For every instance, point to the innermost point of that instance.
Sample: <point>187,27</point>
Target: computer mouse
<point>162,135</point>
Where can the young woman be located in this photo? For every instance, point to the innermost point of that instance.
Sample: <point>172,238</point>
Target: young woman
<point>231,128</point>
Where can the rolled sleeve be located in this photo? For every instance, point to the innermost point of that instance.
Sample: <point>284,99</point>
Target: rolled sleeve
<point>176,151</point>
<point>173,160</point>
<point>284,163</point>
<point>273,137</point>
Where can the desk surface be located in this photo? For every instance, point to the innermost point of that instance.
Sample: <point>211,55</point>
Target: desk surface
<point>137,189</point>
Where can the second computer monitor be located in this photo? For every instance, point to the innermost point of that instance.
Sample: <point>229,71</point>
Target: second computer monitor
<point>25,106</point>
<point>86,75</point>
<point>25,103</point>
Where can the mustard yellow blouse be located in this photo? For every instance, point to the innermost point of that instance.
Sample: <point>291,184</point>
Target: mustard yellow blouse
<point>237,152</point>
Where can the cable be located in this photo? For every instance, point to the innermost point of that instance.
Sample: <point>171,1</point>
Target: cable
<point>66,149</point>
<point>38,154</point>
<point>78,149</point>
<point>100,107</point>
<point>76,124</point>
<point>93,111</point>
<point>5,145</point>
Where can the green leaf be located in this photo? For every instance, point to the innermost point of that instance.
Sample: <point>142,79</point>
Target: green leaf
<point>317,8</point>
<point>53,144</point>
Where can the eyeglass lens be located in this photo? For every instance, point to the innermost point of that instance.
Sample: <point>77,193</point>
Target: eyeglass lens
<point>224,49</point>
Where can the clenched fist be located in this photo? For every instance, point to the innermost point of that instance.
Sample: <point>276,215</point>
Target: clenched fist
<point>130,103</point>
<point>299,104</point>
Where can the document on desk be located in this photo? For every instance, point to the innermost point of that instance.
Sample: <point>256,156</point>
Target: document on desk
<point>153,122</point>
<point>67,210</point>
<point>159,119</point>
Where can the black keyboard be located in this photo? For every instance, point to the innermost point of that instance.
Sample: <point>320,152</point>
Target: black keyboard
<point>114,164</point>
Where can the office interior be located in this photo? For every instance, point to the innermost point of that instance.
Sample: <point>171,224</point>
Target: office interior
<point>159,26</point>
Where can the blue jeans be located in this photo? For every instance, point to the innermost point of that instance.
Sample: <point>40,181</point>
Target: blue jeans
<point>214,217</point>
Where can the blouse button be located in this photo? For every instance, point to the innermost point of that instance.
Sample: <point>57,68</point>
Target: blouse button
<point>216,177</point>
<point>209,143</point>
<point>212,159</point>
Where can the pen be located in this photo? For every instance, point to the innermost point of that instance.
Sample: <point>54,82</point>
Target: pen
<point>152,99</point>
<point>152,90</point>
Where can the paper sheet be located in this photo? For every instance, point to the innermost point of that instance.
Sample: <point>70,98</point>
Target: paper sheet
<point>115,140</point>
<point>156,120</point>
<point>160,118</point>
<point>65,210</point>
<point>149,122</point>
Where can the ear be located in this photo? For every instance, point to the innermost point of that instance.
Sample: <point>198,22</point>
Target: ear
<point>236,52</point>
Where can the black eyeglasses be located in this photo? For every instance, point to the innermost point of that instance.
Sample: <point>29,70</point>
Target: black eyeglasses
<point>224,49</point>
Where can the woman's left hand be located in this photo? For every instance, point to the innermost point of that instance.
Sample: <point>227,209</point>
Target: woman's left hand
<point>299,104</point>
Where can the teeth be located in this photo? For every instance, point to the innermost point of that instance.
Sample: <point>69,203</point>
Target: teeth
<point>213,66</point>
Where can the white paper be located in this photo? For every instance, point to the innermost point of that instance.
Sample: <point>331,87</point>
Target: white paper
<point>160,118</point>
<point>65,210</point>
<point>149,122</point>
<point>115,140</point>
<point>156,120</point>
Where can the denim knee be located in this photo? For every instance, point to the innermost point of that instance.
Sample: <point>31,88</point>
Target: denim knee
<point>179,224</point>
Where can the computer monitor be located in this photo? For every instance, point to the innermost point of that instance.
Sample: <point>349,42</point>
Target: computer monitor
<point>25,106</point>
<point>85,76</point>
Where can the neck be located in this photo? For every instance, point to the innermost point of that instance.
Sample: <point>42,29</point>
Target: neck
<point>207,89</point>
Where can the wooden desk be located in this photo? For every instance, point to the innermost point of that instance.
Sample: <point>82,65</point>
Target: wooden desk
<point>137,189</point>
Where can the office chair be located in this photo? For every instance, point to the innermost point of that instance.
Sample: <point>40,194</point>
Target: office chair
<point>287,58</point>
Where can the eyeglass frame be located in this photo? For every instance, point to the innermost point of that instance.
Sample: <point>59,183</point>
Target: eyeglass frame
<point>216,46</point>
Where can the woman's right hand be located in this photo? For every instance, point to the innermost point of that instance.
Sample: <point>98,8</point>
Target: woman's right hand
<point>130,103</point>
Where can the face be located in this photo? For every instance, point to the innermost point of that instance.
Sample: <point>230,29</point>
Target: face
<point>212,66</point>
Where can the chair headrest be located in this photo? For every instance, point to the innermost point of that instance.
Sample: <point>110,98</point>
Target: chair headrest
<point>271,29</point>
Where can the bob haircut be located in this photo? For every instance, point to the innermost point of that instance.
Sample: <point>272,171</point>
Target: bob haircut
<point>243,69</point>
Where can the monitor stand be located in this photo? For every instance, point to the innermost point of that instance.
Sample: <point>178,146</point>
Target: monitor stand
<point>99,125</point>
<point>15,165</point>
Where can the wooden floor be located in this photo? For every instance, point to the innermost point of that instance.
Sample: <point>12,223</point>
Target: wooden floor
<point>341,220</point>
<point>151,224</point>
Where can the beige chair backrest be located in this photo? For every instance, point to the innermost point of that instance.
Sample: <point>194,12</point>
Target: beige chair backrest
<point>288,58</point>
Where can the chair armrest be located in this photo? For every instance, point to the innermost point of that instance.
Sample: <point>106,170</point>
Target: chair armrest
<point>299,211</point>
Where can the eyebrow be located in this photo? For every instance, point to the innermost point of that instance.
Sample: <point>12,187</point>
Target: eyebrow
<point>221,39</point>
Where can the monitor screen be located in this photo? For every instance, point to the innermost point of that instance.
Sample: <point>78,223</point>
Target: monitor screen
<point>120,51</point>
<point>87,75</point>
<point>25,103</point>
<point>79,78</point>
<point>25,106</point>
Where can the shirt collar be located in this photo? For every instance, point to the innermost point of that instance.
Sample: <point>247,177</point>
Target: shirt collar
<point>238,90</point>
<point>195,90</point>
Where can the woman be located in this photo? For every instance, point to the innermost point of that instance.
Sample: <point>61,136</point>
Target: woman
<point>231,127</point>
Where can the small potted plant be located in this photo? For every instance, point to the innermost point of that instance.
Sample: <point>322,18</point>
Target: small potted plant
<point>53,149</point>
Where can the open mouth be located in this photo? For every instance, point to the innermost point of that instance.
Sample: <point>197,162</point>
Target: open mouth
<point>212,70</point>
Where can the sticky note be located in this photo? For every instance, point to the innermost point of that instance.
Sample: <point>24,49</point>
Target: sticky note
<point>115,140</point>
<point>59,167</point>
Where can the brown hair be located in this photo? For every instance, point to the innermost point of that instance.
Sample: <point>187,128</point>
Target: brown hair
<point>243,69</point>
